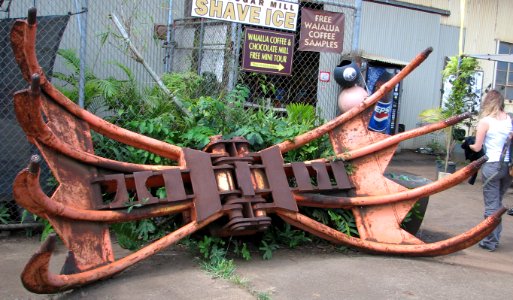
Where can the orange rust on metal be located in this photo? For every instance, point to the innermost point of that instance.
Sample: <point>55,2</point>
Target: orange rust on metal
<point>396,139</point>
<point>389,141</point>
<point>444,247</point>
<point>224,187</point>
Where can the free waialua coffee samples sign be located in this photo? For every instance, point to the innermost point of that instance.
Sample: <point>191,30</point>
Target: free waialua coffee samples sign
<point>267,13</point>
<point>321,31</point>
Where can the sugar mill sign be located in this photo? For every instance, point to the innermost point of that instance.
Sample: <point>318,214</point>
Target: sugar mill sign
<point>266,13</point>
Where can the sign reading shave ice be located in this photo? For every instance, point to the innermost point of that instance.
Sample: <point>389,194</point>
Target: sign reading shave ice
<point>321,31</point>
<point>266,13</point>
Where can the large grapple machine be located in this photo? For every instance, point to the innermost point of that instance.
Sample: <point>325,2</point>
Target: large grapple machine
<point>224,186</point>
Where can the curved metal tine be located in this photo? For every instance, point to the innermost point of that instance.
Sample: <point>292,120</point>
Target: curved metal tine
<point>29,194</point>
<point>28,112</point>
<point>444,247</point>
<point>28,63</point>
<point>316,133</point>
<point>397,138</point>
<point>37,278</point>
<point>326,201</point>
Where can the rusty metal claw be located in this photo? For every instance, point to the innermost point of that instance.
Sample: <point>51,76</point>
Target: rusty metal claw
<point>224,186</point>
<point>316,133</point>
<point>23,40</point>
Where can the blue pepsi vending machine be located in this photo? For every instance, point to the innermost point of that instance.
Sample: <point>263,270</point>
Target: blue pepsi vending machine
<point>384,116</point>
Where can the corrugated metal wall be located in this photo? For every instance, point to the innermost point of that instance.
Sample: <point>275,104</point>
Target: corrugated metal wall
<point>400,34</point>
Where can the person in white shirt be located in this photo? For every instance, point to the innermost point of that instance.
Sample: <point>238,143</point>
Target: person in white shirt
<point>493,129</point>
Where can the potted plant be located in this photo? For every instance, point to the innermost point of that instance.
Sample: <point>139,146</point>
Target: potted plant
<point>458,97</point>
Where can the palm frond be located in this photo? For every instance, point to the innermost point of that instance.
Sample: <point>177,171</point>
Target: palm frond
<point>100,108</point>
<point>431,115</point>
<point>71,59</point>
<point>129,74</point>
<point>108,88</point>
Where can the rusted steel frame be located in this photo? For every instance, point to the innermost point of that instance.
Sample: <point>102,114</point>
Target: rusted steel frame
<point>99,125</point>
<point>316,133</point>
<point>327,201</point>
<point>37,278</point>
<point>397,138</point>
<point>30,118</point>
<point>27,190</point>
<point>451,245</point>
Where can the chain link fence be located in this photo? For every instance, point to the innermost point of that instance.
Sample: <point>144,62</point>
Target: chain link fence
<point>201,45</point>
<point>169,40</point>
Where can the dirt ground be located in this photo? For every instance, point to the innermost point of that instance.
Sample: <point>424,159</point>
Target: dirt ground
<point>307,273</point>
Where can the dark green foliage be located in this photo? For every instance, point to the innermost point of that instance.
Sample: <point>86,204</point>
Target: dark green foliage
<point>5,216</point>
<point>126,235</point>
<point>343,221</point>
<point>281,236</point>
<point>414,213</point>
<point>340,219</point>
<point>47,229</point>
<point>100,93</point>
<point>241,249</point>
<point>292,237</point>
<point>214,257</point>
<point>267,249</point>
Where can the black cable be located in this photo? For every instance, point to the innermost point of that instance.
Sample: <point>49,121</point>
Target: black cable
<point>84,10</point>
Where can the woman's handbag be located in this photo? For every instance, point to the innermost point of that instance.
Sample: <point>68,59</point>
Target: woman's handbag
<point>510,163</point>
<point>509,145</point>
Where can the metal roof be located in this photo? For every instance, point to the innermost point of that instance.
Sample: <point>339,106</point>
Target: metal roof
<point>496,57</point>
<point>382,59</point>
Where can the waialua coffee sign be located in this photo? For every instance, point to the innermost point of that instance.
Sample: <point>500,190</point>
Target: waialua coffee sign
<point>321,31</point>
<point>268,51</point>
<point>266,13</point>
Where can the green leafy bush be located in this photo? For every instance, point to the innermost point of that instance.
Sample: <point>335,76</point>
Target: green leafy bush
<point>5,216</point>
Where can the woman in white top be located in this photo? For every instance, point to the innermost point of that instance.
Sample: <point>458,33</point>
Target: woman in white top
<point>492,131</point>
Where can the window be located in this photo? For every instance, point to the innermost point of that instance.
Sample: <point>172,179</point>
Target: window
<point>504,72</point>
